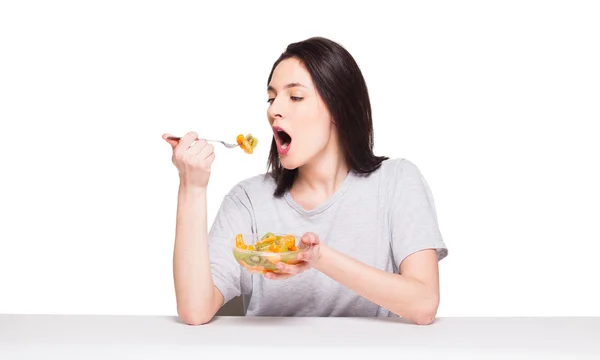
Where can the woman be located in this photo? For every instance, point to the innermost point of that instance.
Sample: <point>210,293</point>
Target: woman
<point>371,220</point>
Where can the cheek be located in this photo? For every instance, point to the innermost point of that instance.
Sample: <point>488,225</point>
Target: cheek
<point>313,136</point>
<point>316,124</point>
<point>318,118</point>
<point>321,128</point>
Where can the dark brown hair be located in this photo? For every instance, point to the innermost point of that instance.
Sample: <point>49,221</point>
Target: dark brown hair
<point>339,82</point>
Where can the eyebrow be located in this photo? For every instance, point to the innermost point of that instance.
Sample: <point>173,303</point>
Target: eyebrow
<point>287,86</point>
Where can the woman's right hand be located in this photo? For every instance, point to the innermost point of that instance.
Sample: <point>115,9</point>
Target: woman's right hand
<point>193,158</point>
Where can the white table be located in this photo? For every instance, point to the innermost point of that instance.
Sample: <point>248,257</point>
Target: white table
<point>163,337</point>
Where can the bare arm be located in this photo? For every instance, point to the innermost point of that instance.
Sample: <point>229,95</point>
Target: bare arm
<point>198,299</point>
<point>413,295</point>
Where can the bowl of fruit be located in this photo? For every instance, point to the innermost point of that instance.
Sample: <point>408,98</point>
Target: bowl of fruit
<point>260,255</point>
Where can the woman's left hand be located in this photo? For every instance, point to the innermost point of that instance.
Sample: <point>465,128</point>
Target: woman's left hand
<point>307,258</point>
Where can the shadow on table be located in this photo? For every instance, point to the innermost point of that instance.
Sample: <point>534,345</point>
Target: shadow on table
<point>235,308</point>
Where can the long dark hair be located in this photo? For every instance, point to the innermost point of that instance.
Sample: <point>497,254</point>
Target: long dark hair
<point>340,84</point>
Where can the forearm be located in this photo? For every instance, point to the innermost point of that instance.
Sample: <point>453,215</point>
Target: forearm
<point>197,298</point>
<point>402,295</point>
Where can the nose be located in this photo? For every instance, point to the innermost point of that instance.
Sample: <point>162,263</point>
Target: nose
<point>275,110</point>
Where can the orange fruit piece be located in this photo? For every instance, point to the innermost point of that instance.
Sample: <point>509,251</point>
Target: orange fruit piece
<point>290,240</point>
<point>246,147</point>
<point>239,241</point>
<point>240,139</point>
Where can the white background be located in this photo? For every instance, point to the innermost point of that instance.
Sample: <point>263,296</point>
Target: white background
<point>496,102</point>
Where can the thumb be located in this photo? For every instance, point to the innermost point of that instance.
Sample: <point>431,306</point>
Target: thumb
<point>310,238</point>
<point>172,142</point>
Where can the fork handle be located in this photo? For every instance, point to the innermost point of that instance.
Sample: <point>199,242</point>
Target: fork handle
<point>179,138</point>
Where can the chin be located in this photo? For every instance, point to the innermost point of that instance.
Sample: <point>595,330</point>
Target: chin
<point>298,155</point>
<point>289,164</point>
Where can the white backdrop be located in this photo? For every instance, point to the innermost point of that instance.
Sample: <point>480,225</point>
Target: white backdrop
<point>497,104</point>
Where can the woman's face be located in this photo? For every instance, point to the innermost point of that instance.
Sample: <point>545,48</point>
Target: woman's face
<point>301,123</point>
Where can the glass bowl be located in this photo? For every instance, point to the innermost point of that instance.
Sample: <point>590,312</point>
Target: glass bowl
<point>259,254</point>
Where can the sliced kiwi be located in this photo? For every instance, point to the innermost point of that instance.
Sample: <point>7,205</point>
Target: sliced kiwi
<point>239,255</point>
<point>282,245</point>
<point>267,235</point>
<point>286,258</point>
<point>270,266</point>
<point>263,247</point>
<point>263,244</point>
<point>252,141</point>
<point>253,260</point>
<point>264,260</point>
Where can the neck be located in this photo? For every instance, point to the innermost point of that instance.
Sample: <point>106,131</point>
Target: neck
<point>324,174</point>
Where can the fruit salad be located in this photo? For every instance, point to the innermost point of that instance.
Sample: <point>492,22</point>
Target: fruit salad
<point>267,252</point>
<point>247,143</point>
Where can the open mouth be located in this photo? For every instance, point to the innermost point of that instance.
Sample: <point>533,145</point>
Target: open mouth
<point>284,140</point>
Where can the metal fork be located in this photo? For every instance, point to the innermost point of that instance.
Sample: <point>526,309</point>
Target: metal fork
<point>227,145</point>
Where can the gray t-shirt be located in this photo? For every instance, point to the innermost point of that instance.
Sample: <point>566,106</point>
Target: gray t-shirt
<point>378,219</point>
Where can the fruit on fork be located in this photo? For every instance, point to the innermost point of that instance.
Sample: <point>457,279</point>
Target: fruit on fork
<point>247,143</point>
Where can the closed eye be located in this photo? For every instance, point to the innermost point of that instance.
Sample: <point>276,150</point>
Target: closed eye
<point>294,98</point>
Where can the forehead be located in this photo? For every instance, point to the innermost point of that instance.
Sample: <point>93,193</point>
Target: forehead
<point>290,71</point>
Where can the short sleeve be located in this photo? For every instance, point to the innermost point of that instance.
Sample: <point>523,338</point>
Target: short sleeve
<point>413,222</point>
<point>232,218</point>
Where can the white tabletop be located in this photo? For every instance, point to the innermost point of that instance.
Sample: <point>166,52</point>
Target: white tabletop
<point>164,337</point>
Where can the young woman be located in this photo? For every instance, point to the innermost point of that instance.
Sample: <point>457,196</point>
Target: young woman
<point>371,221</point>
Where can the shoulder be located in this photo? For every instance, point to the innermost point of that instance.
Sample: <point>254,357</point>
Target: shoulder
<point>259,185</point>
<point>244,195</point>
<point>403,180</point>
<point>397,169</point>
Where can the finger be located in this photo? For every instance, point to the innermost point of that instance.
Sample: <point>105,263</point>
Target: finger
<point>187,140</point>
<point>277,276</point>
<point>293,269</point>
<point>172,142</point>
<point>197,147</point>
<point>310,238</point>
<point>305,256</point>
<point>206,151</point>
<point>210,159</point>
